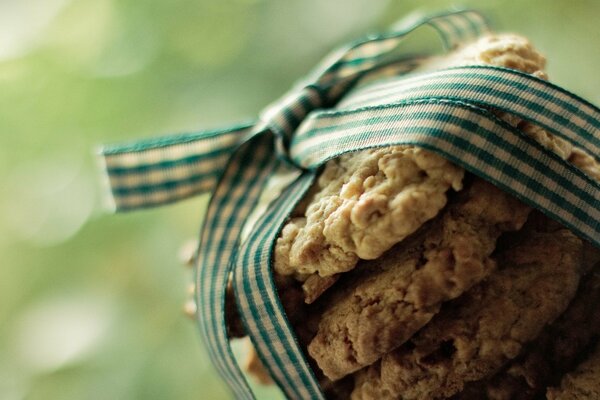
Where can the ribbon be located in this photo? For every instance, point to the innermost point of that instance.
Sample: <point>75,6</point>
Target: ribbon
<point>445,111</point>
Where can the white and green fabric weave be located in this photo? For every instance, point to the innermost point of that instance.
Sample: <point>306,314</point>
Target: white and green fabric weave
<point>445,111</point>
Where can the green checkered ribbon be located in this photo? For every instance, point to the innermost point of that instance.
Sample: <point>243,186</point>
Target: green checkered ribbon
<point>445,111</point>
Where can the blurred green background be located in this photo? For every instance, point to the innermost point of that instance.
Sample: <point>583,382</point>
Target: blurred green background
<point>90,304</point>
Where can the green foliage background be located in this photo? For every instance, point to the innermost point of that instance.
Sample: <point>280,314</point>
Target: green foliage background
<point>90,304</point>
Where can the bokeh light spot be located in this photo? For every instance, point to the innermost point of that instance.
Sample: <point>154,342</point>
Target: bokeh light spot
<point>60,331</point>
<point>50,199</point>
<point>23,23</point>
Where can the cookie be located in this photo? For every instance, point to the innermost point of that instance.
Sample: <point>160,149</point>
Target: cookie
<point>555,352</point>
<point>387,300</point>
<point>475,335</point>
<point>365,203</point>
<point>385,211</point>
<point>315,285</point>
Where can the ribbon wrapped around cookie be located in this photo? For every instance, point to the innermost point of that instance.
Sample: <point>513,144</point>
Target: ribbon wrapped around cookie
<point>334,111</point>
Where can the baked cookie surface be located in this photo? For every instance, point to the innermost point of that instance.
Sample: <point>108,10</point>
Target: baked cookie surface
<point>365,203</point>
<point>387,300</point>
<point>556,351</point>
<point>388,237</point>
<point>474,336</point>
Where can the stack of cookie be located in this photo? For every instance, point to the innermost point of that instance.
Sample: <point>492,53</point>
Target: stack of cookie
<point>407,278</point>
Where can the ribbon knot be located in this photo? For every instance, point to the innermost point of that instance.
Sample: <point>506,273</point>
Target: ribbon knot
<point>444,111</point>
<point>283,117</point>
<point>158,171</point>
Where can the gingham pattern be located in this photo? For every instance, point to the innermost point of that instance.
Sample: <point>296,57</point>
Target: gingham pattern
<point>158,171</point>
<point>469,136</point>
<point>164,170</point>
<point>363,55</point>
<point>264,318</point>
<point>514,92</point>
<point>345,66</point>
<point>235,196</point>
<point>462,132</point>
<point>262,312</point>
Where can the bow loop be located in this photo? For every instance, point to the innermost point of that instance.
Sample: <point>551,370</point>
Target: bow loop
<point>159,171</point>
<point>328,82</point>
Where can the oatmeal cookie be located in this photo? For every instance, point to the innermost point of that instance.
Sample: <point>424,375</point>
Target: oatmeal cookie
<point>475,335</point>
<point>387,300</point>
<point>555,352</point>
<point>366,202</point>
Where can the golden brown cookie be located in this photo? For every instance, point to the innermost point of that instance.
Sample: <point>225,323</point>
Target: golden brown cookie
<point>389,299</point>
<point>474,336</point>
<point>555,352</point>
<point>366,202</point>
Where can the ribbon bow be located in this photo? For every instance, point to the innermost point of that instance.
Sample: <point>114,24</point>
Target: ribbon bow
<point>444,111</point>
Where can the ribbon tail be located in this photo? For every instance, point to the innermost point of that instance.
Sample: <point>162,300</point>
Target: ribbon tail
<point>236,195</point>
<point>158,171</point>
<point>260,307</point>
